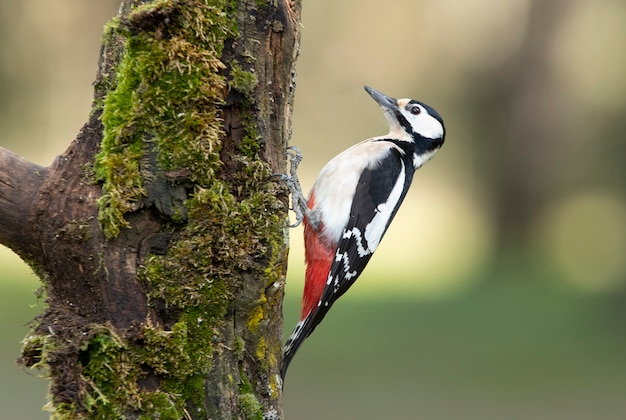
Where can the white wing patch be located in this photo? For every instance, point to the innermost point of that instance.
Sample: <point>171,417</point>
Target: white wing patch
<point>376,228</point>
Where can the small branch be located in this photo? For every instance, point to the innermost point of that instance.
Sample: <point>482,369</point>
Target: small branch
<point>20,181</point>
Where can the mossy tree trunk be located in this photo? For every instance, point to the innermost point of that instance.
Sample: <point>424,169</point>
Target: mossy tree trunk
<point>160,233</point>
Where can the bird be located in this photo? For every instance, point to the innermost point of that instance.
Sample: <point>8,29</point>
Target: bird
<point>352,202</point>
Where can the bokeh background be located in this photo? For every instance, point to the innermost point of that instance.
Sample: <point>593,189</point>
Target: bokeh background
<point>500,289</point>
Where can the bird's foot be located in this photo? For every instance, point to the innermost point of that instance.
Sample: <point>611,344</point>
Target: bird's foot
<point>298,200</point>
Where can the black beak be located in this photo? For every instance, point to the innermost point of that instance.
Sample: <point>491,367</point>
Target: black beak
<point>382,99</point>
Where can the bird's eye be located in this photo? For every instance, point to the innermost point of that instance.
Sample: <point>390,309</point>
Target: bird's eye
<point>415,110</point>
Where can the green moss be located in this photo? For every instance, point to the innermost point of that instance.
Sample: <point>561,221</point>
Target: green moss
<point>36,351</point>
<point>242,80</point>
<point>246,82</point>
<point>105,387</point>
<point>106,367</point>
<point>249,407</point>
<point>167,93</point>
<point>225,236</point>
<point>111,369</point>
<point>160,405</point>
<point>110,29</point>
<point>250,145</point>
<point>61,411</point>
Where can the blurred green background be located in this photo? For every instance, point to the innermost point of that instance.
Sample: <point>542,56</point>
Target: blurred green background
<point>499,290</point>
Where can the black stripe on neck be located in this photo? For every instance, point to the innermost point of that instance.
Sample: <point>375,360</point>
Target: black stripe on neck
<point>403,122</point>
<point>421,145</point>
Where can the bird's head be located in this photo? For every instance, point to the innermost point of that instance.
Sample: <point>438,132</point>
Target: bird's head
<point>411,120</point>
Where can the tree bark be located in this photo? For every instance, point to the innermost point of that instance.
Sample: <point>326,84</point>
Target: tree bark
<point>20,181</point>
<point>159,234</point>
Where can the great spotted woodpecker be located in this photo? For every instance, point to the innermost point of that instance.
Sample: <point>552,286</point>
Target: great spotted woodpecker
<point>352,203</point>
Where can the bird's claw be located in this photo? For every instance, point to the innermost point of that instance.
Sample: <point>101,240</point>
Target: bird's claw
<point>295,157</point>
<point>298,201</point>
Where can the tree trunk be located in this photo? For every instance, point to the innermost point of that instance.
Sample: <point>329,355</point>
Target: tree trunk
<point>160,233</point>
<point>525,119</point>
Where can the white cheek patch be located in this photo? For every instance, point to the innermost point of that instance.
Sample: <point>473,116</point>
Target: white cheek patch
<point>427,126</point>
